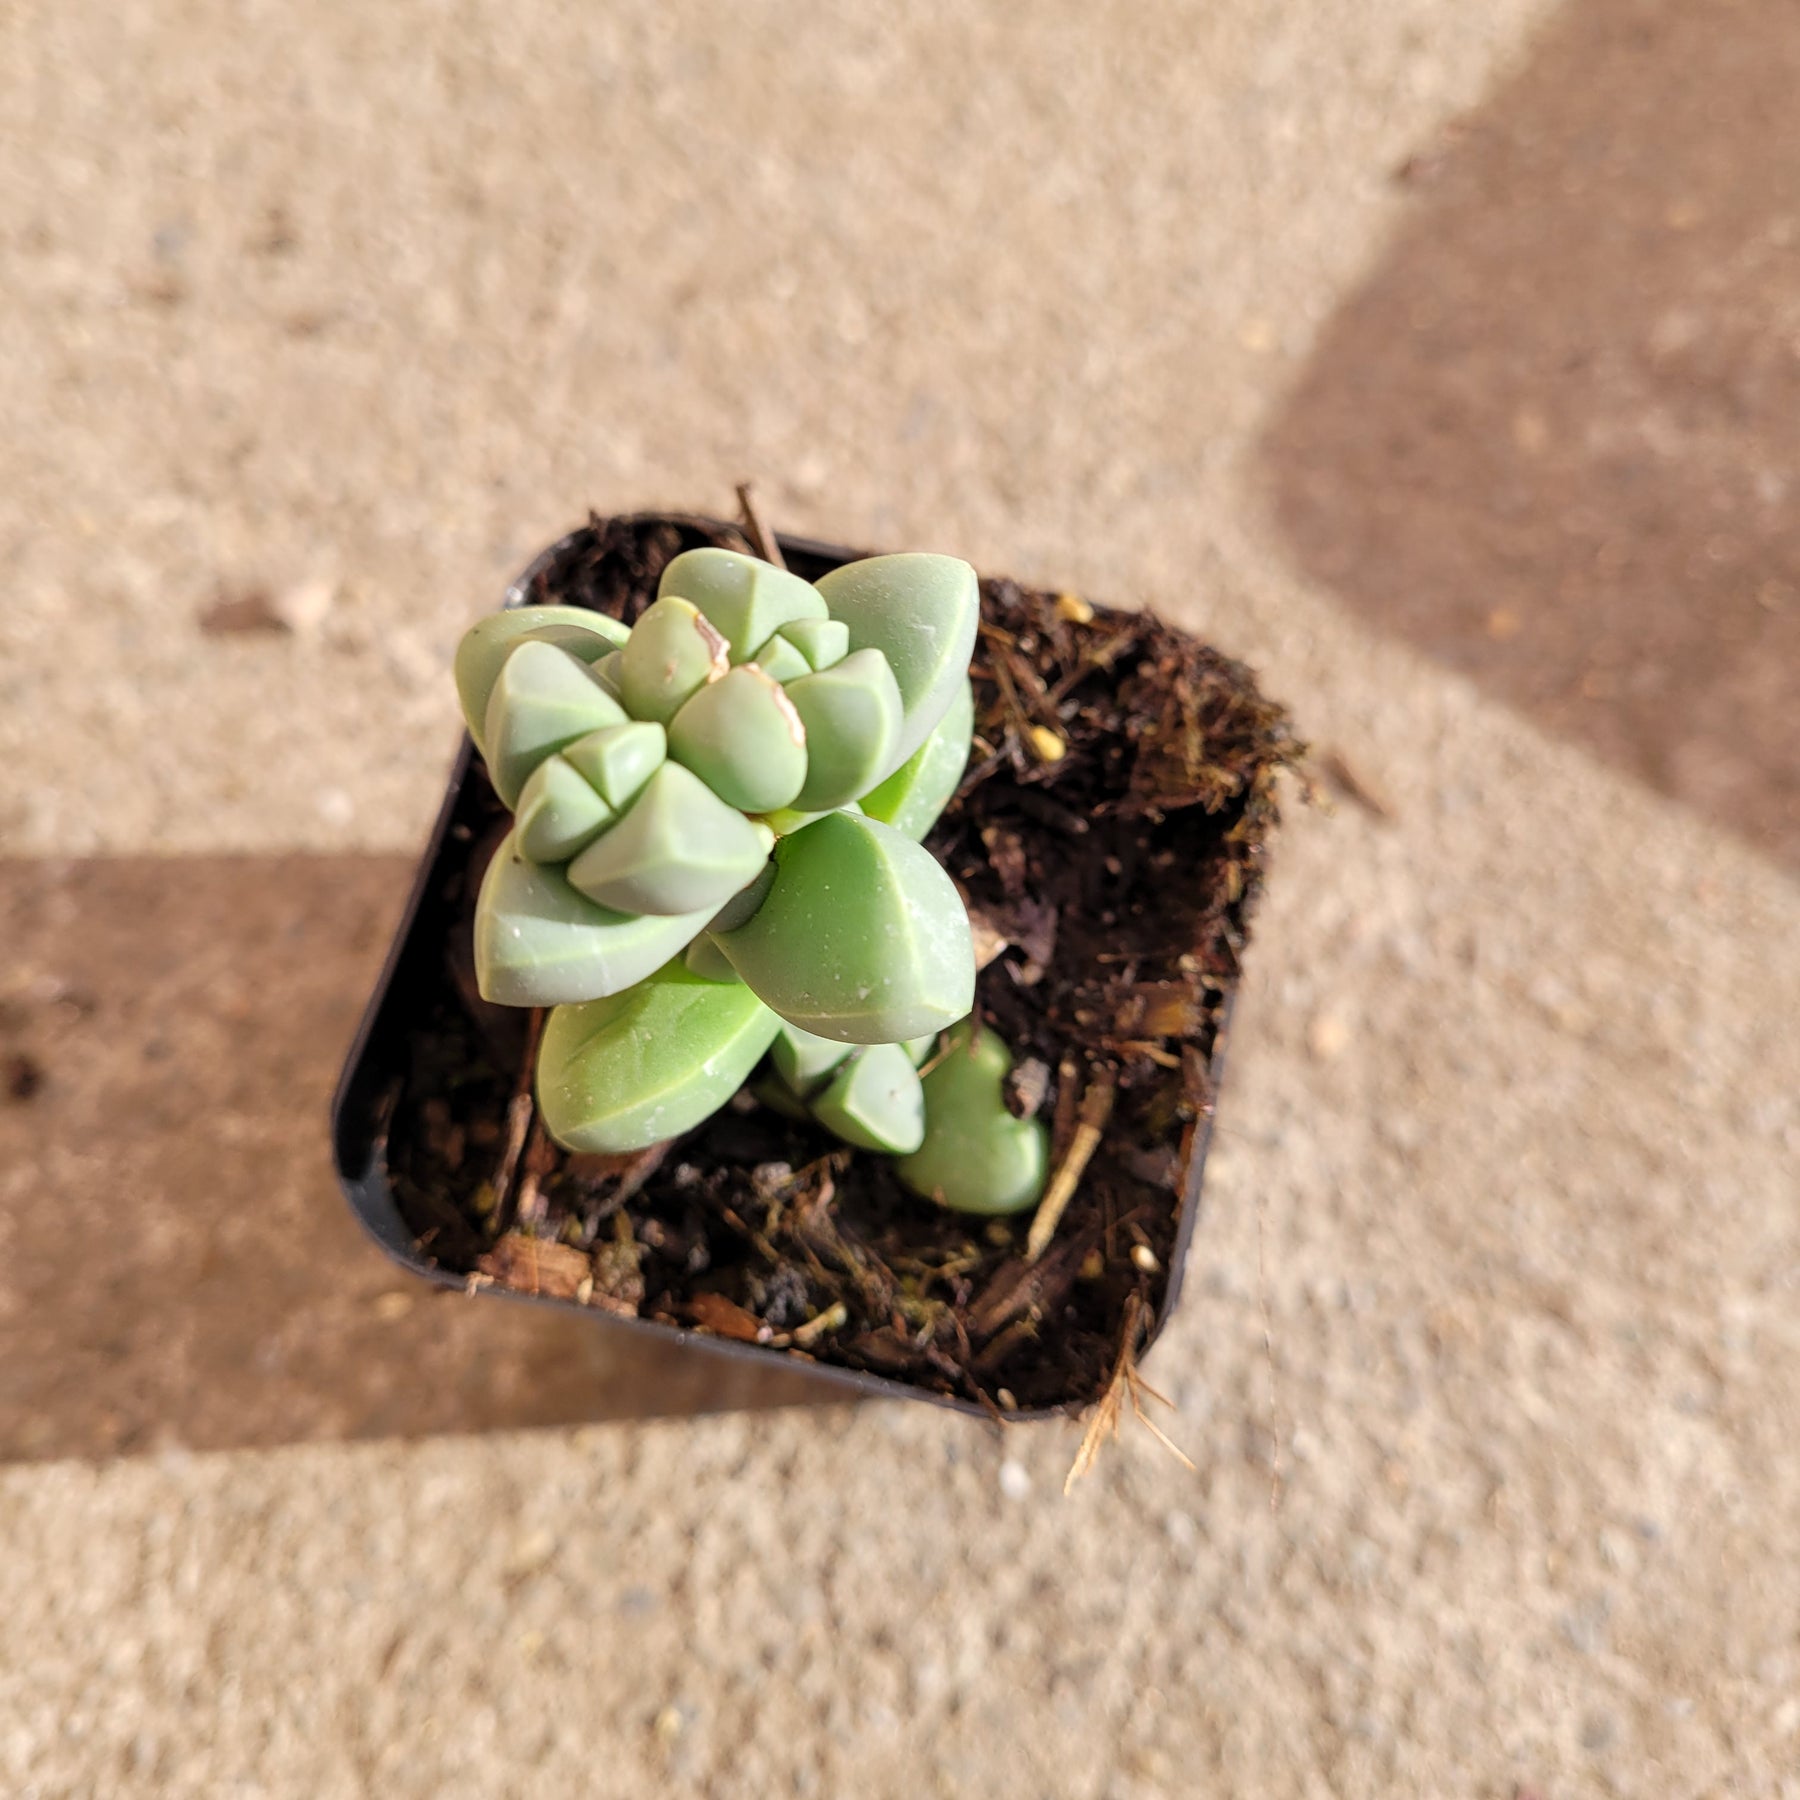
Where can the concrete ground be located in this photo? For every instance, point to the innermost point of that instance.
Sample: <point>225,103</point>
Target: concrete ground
<point>318,322</point>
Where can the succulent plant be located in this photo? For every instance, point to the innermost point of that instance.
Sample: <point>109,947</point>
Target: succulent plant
<point>715,848</point>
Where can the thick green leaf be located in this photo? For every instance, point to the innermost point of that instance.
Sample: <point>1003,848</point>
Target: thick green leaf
<point>672,652</point>
<point>823,642</point>
<point>559,813</point>
<point>742,905</point>
<point>806,1061</point>
<point>862,937</point>
<point>606,672</point>
<point>921,612</point>
<point>540,943</point>
<point>852,716</point>
<point>786,820</point>
<point>617,761</point>
<point>746,598</point>
<point>679,848</point>
<point>875,1102</point>
<point>915,794</point>
<point>706,959</point>
<point>543,700</point>
<point>488,643</point>
<point>976,1157</point>
<point>780,661</point>
<point>743,738</point>
<point>626,1072</point>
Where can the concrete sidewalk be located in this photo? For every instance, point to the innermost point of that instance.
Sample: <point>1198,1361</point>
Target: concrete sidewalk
<point>1489,1359</point>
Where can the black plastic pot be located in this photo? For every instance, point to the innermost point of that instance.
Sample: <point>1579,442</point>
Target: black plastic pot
<point>377,1062</point>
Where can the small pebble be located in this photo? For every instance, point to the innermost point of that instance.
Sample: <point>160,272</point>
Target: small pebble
<point>1046,745</point>
<point>1145,1258</point>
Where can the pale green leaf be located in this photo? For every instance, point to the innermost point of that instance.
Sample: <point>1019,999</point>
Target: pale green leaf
<point>921,612</point>
<point>543,700</point>
<point>912,798</point>
<point>540,943</point>
<point>620,1074</point>
<point>976,1157</point>
<point>559,813</point>
<point>742,736</point>
<point>862,936</point>
<point>618,760</point>
<point>875,1102</point>
<point>852,715</point>
<point>672,652</point>
<point>822,642</point>
<point>678,848</point>
<point>746,598</point>
<point>486,645</point>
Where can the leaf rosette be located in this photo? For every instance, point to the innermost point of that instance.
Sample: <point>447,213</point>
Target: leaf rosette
<point>716,845</point>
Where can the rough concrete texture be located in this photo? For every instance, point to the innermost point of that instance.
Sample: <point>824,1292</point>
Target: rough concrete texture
<point>1489,1362</point>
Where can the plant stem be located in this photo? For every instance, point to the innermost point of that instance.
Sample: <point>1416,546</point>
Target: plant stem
<point>760,536</point>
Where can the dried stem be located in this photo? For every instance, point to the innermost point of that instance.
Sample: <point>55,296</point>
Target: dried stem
<point>1096,1109</point>
<point>755,530</point>
<point>521,1114</point>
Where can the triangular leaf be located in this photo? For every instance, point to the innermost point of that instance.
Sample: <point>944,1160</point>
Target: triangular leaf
<point>912,798</point>
<point>779,660</point>
<point>626,1072</point>
<point>679,848</point>
<point>745,597</point>
<point>487,644</point>
<point>559,813</point>
<point>862,937</point>
<point>822,642</point>
<point>617,760</point>
<point>540,943</point>
<point>875,1102</point>
<point>543,700</point>
<point>852,717</point>
<point>921,612</point>
<point>744,739</point>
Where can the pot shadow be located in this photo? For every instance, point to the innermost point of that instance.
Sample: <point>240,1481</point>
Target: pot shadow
<point>181,1269</point>
<point>1555,438</point>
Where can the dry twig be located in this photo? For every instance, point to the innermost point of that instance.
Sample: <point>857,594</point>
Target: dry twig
<point>755,530</point>
<point>1096,1109</point>
<point>521,1113</point>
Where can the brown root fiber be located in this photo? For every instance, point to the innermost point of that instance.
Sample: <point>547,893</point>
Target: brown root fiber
<point>1110,835</point>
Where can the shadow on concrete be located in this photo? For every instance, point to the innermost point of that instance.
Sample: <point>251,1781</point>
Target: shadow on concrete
<point>180,1268</point>
<point>1555,440</point>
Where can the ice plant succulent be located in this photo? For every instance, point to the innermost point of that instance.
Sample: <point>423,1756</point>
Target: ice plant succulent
<point>715,850</point>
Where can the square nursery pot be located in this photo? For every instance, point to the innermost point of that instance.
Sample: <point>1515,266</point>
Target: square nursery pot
<point>1109,838</point>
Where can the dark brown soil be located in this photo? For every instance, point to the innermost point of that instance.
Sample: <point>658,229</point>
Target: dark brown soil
<point>1113,886</point>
